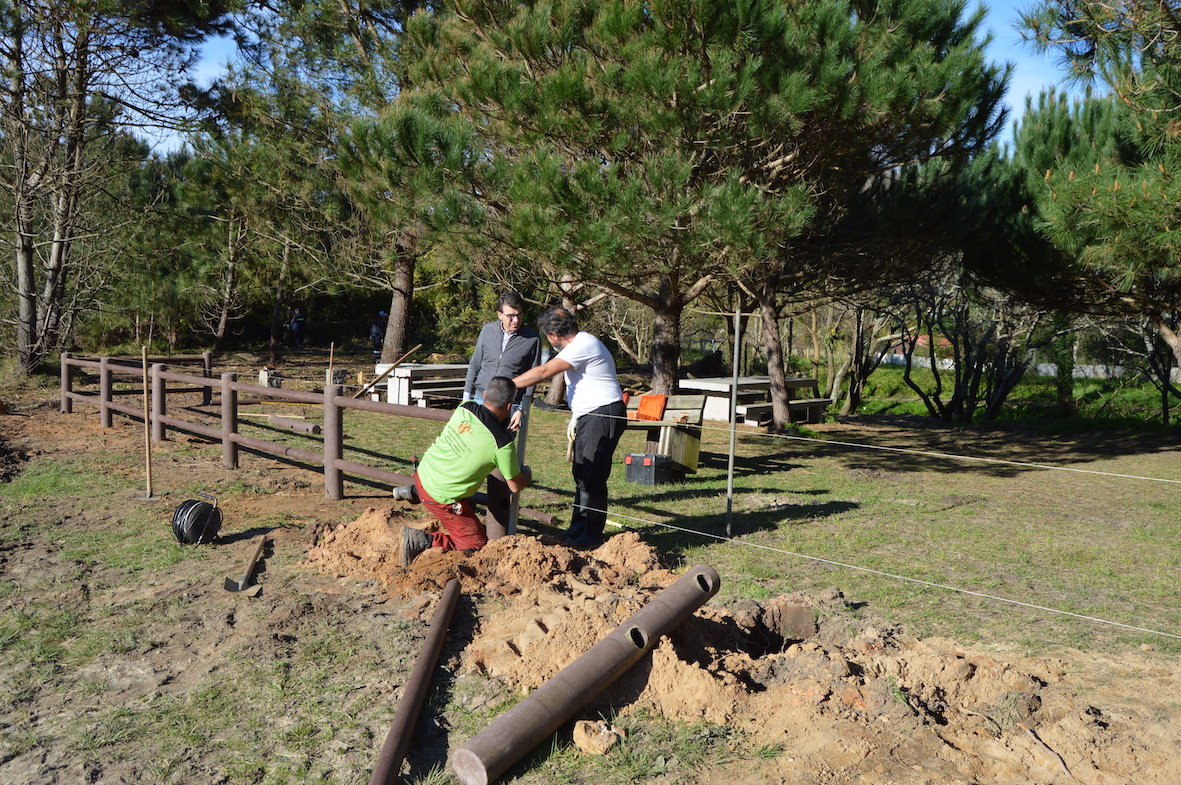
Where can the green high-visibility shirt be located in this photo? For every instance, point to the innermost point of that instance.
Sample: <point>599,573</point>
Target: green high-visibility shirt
<point>472,444</point>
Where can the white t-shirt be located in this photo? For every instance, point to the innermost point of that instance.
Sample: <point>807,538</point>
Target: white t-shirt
<point>592,381</point>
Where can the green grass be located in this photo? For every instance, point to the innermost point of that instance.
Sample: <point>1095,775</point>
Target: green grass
<point>654,749</point>
<point>43,482</point>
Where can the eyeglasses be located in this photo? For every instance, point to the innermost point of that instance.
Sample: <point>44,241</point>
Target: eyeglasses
<point>511,316</point>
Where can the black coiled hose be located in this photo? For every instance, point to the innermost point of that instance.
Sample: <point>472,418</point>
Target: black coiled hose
<point>196,522</point>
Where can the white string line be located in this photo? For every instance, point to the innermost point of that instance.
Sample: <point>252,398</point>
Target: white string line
<point>894,575</point>
<point>906,578</point>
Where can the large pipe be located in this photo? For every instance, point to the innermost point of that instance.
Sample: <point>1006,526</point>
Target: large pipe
<point>513,734</point>
<point>299,426</point>
<point>389,762</point>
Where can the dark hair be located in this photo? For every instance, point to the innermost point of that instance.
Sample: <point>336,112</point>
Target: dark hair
<point>558,321</point>
<point>500,391</point>
<point>511,299</point>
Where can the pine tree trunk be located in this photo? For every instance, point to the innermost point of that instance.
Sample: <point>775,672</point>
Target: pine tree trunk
<point>857,363</point>
<point>26,335</point>
<point>776,367</point>
<point>401,300</point>
<point>229,281</point>
<point>1170,337</point>
<point>666,349</point>
<point>1062,349</point>
<point>277,307</point>
<point>815,344</point>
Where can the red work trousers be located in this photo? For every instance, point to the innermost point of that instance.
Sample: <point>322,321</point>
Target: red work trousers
<point>463,531</point>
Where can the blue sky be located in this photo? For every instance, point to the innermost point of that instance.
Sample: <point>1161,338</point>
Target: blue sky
<point>1032,71</point>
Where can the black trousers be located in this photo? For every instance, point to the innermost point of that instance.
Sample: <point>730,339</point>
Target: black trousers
<point>595,438</point>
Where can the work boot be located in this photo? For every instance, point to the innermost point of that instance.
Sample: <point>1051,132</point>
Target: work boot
<point>413,543</point>
<point>405,493</point>
<point>586,541</point>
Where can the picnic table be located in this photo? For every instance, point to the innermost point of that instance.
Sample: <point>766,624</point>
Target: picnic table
<point>417,383</point>
<point>754,398</point>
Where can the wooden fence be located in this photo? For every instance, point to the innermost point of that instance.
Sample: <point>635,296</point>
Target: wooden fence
<point>228,389</point>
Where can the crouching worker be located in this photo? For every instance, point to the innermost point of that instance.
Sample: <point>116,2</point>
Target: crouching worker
<point>474,441</point>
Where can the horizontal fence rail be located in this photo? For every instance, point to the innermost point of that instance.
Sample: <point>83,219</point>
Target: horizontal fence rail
<point>332,401</point>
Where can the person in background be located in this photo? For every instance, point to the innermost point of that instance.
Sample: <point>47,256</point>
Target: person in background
<point>377,333</point>
<point>474,442</point>
<point>505,347</point>
<point>598,417</point>
<point>298,325</point>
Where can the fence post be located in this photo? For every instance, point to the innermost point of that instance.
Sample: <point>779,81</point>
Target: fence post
<point>229,421</point>
<point>67,385</point>
<point>333,443</point>
<point>207,365</point>
<point>104,392</point>
<point>158,403</point>
<point>496,519</point>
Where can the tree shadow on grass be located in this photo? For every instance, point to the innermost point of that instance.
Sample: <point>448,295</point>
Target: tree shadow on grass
<point>749,465</point>
<point>673,537</point>
<point>995,450</point>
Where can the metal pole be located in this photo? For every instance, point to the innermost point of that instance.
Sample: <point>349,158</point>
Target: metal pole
<point>522,433</point>
<point>733,418</point>
<point>389,762</point>
<point>511,735</point>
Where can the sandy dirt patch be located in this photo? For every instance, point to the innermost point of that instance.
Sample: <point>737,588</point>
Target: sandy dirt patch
<point>856,705</point>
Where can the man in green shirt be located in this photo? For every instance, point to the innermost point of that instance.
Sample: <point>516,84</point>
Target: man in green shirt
<point>474,442</point>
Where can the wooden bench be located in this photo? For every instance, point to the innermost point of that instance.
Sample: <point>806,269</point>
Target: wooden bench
<point>677,433</point>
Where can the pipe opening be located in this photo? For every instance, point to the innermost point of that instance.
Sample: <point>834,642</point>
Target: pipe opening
<point>705,583</point>
<point>637,637</point>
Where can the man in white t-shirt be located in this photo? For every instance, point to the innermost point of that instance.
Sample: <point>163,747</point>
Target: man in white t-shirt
<point>596,404</point>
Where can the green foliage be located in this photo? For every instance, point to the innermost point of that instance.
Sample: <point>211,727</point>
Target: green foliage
<point>1110,194</point>
<point>648,147</point>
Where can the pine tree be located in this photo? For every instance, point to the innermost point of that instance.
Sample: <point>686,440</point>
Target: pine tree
<point>653,148</point>
<point>77,75</point>
<point>1118,214</point>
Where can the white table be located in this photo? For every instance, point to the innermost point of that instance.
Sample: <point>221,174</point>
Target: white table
<point>717,391</point>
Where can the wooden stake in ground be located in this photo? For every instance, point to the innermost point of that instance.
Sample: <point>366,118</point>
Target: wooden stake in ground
<point>331,351</point>
<point>147,429</point>
<point>386,373</point>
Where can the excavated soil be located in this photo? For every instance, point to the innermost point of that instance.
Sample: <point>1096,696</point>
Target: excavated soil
<point>854,705</point>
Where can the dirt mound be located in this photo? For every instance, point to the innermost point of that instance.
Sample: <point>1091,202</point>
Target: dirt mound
<point>367,548</point>
<point>849,703</point>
